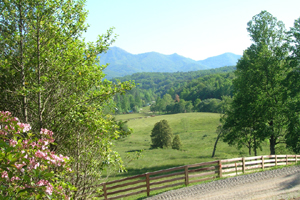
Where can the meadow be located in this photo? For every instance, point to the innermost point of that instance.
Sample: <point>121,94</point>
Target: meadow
<point>197,132</point>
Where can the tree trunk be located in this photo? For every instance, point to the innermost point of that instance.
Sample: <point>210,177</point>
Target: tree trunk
<point>249,147</point>
<point>23,81</point>
<point>255,146</point>
<point>215,146</point>
<point>39,75</point>
<point>272,145</point>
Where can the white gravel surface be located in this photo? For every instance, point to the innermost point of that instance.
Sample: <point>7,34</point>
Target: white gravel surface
<point>271,184</point>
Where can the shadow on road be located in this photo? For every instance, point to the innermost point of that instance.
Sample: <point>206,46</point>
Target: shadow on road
<point>291,183</point>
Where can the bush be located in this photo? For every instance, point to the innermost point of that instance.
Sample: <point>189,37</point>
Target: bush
<point>161,135</point>
<point>176,144</point>
<point>28,169</point>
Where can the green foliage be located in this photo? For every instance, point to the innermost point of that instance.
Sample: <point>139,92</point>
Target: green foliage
<point>51,78</point>
<point>123,129</point>
<point>292,94</point>
<point>189,85</point>
<point>256,112</point>
<point>210,105</point>
<point>176,144</point>
<point>209,89</point>
<point>161,135</point>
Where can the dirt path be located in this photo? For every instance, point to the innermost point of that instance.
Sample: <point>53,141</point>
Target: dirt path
<point>275,188</point>
<point>276,184</point>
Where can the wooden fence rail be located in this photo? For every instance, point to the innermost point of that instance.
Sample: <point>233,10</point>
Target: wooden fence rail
<point>184,175</point>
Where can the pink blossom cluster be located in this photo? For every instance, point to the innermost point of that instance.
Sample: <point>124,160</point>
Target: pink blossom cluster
<point>10,125</point>
<point>51,157</point>
<point>35,154</point>
<point>24,127</point>
<point>46,132</point>
<point>49,187</point>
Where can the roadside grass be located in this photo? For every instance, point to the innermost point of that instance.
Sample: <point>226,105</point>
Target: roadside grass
<point>197,132</point>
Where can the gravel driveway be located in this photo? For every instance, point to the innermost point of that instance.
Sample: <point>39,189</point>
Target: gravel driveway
<point>272,184</point>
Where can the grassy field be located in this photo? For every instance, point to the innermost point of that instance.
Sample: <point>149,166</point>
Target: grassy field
<point>197,132</point>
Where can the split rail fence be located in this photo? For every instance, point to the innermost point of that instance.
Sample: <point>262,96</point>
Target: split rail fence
<point>184,175</point>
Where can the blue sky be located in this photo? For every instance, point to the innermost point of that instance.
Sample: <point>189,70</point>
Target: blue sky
<point>196,29</point>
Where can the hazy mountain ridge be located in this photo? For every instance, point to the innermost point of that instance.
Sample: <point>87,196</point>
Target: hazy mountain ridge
<point>122,63</point>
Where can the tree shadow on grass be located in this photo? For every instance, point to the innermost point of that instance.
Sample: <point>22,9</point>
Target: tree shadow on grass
<point>133,172</point>
<point>133,151</point>
<point>207,156</point>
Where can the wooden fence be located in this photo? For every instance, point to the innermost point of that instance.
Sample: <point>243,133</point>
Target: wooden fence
<point>184,175</point>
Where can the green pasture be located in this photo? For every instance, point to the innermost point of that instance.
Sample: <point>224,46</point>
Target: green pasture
<point>197,132</point>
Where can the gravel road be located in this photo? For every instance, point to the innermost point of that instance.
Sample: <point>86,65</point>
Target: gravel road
<point>272,184</point>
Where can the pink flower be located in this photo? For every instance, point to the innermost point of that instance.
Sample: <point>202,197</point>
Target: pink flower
<point>24,127</point>
<point>14,178</point>
<point>19,166</point>
<point>4,174</point>
<point>40,154</point>
<point>36,165</point>
<point>42,182</point>
<point>3,133</point>
<point>46,132</point>
<point>49,189</point>
<point>33,144</point>
<point>33,154</point>
<point>13,142</point>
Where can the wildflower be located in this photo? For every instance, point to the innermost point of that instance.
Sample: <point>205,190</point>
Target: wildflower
<point>13,142</point>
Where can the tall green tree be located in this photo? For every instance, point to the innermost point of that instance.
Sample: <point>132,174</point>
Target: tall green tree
<point>51,78</point>
<point>292,95</point>
<point>257,107</point>
<point>161,135</point>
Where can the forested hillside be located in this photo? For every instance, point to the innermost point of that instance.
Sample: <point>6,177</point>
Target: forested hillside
<point>177,92</point>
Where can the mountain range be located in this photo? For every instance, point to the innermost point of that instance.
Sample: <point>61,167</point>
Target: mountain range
<point>122,63</point>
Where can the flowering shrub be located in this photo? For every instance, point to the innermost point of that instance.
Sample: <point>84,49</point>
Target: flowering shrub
<point>28,169</point>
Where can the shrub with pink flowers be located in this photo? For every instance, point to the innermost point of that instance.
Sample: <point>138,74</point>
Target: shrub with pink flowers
<point>28,169</point>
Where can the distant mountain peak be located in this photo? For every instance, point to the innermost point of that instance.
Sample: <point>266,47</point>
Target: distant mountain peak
<point>124,63</point>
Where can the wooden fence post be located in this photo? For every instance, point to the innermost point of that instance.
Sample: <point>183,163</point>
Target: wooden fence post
<point>186,173</point>
<point>148,184</point>
<point>220,169</point>
<point>244,165</point>
<point>296,159</point>
<point>286,160</point>
<point>262,162</point>
<point>276,160</point>
<point>236,169</point>
<point>104,190</point>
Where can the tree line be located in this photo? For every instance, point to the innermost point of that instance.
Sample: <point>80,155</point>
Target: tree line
<point>203,94</point>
